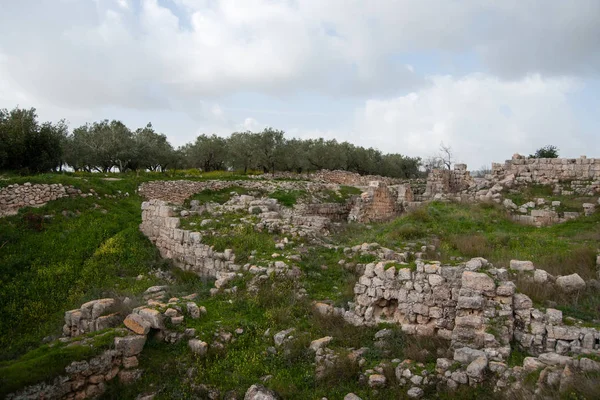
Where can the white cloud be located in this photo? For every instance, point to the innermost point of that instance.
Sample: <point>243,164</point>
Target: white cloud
<point>149,58</point>
<point>109,52</point>
<point>481,117</point>
<point>250,124</point>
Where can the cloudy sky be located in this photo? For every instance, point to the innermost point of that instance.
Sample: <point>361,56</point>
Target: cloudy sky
<point>488,78</point>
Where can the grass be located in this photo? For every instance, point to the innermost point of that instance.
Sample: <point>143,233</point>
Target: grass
<point>342,195</point>
<point>89,248</point>
<point>243,239</point>
<point>288,198</point>
<point>216,196</point>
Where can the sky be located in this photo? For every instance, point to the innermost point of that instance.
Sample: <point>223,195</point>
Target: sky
<point>486,78</point>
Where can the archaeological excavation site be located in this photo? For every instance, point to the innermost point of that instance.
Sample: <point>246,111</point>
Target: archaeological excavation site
<point>323,285</point>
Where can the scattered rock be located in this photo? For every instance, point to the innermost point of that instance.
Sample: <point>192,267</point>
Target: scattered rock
<point>570,283</point>
<point>320,343</point>
<point>198,347</point>
<point>520,266</point>
<point>259,392</point>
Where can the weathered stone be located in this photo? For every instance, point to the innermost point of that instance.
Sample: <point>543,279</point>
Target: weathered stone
<point>475,264</point>
<point>351,396</point>
<point>476,368</point>
<point>570,283</point>
<point>520,266</point>
<point>473,303</point>
<point>477,281</point>
<point>137,324</point>
<point>130,345</point>
<point>281,336</point>
<point>377,380</point>
<point>198,347</point>
<point>415,392</point>
<point>466,355</point>
<point>554,359</point>
<point>320,343</point>
<point>130,362</point>
<point>532,364</point>
<point>259,392</point>
<point>506,289</point>
<point>540,276</point>
<point>522,302</point>
<point>153,317</point>
<point>554,316</point>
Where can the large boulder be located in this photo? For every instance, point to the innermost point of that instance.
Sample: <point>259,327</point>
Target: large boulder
<point>570,283</point>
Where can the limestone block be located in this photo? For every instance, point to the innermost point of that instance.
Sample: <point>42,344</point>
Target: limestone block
<point>130,345</point>
<point>520,266</point>
<point>477,281</point>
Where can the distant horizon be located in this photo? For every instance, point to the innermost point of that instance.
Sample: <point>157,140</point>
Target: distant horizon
<point>488,79</point>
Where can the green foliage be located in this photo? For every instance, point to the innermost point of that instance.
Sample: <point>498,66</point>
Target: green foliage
<point>548,151</point>
<point>517,356</point>
<point>27,146</point>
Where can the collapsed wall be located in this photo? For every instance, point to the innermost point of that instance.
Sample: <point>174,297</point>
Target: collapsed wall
<point>472,305</point>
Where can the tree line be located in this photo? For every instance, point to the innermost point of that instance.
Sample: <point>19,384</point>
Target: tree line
<point>28,146</point>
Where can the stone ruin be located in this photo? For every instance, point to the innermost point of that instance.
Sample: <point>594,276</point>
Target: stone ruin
<point>568,177</point>
<point>546,171</point>
<point>377,204</point>
<point>473,305</point>
<point>161,225</point>
<point>17,196</point>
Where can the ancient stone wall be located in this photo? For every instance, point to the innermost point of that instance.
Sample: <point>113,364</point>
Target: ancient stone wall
<point>471,305</point>
<point>184,247</point>
<point>444,181</point>
<point>378,203</point>
<point>17,196</point>
<point>547,170</point>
